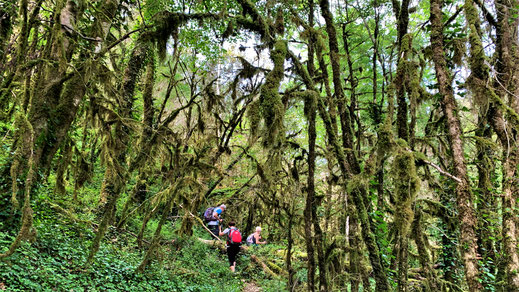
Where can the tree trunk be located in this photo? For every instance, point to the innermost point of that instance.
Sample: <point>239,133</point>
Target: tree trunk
<point>478,78</point>
<point>348,163</point>
<point>424,258</point>
<point>288,260</point>
<point>406,187</point>
<point>156,237</point>
<point>508,89</point>
<point>359,195</point>
<point>116,170</point>
<point>464,199</point>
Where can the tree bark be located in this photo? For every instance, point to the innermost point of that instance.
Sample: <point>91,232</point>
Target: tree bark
<point>464,199</point>
<point>508,89</point>
<point>310,197</point>
<point>479,76</point>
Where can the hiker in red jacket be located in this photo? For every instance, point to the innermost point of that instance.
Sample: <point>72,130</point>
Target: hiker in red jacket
<point>233,243</point>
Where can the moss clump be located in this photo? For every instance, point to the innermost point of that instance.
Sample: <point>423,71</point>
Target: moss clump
<point>420,156</point>
<point>272,108</point>
<point>258,23</point>
<point>279,24</point>
<point>385,140</point>
<point>407,184</point>
<point>22,150</point>
<point>479,75</point>
<point>254,115</point>
<point>357,182</point>
<point>407,43</point>
<point>459,50</point>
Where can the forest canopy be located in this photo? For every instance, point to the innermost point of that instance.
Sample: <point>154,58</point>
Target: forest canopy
<point>375,142</point>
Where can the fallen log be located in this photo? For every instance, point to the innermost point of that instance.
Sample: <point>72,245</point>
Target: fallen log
<point>263,266</point>
<point>215,243</point>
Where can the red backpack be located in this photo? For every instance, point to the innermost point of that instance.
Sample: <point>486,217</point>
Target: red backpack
<point>234,236</point>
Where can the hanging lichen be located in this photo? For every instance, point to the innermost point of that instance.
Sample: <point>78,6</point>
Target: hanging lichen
<point>25,132</point>
<point>479,70</point>
<point>254,116</point>
<point>272,108</point>
<point>279,24</point>
<point>27,231</point>
<point>167,26</point>
<point>459,51</point>
<point>83,172</point>
<point>229,30</point>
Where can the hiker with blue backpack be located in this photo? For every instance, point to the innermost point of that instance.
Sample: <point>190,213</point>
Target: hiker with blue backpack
<point>255,238</point>
<point>212,216</point>
<point>233,243</point>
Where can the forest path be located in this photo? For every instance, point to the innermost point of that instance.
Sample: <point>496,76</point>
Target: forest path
<point>251,287</point>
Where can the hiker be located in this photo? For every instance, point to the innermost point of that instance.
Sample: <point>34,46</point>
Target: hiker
<point>233,243</point>
<point>255,238</point>
<point>212,216</point>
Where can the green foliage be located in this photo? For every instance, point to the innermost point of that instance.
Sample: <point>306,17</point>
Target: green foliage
<point>201,44</point>
<point>274,256</point>
<point>56,262</point>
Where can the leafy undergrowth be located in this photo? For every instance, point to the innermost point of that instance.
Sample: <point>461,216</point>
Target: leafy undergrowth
<point>56,262</point>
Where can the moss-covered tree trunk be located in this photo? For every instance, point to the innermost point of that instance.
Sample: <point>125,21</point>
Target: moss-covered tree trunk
<point>404,46</point>
<point>348,163</point>
<point>404,196</point>
<point>406,187</point>
<point>423,254</point>
<point>312,200</point>
<point>464,198</point>
<point>478,78</point>
<point>507,85</point>
<point>57,93</point>
<point>118,142</point>
<point>7,15</point>
<point>144,143</point>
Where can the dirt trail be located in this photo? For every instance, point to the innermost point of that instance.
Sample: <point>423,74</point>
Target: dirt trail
<point>251,287</point>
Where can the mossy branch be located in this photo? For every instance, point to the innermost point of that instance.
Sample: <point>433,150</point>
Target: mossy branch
<point>272,108</point>
<point>26,231</point>
<point>264,267</point>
